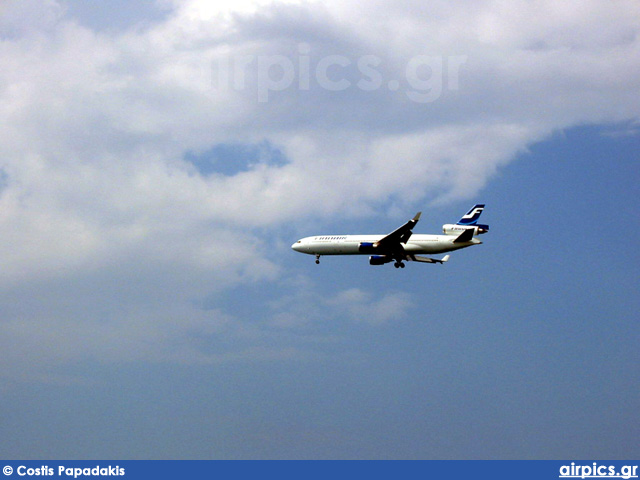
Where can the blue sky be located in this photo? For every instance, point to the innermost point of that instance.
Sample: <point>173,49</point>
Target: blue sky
<point>150,305</point>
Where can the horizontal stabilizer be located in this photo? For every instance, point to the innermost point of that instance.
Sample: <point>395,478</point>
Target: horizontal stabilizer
<point>465,236</point>
<point>417,258</point>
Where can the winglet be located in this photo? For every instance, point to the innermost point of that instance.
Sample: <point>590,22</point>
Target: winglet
<point>417,217</point>
<point>445,258</point>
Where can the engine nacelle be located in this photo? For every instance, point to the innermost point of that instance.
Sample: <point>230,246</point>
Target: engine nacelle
<point>367,247</point>
<point>450,229</point>
<point>379,259</point>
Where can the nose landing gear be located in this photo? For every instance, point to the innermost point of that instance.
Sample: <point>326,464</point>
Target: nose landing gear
<point>317,259</point>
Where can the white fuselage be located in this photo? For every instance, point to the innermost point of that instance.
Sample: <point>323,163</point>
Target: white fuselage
<point>350,244</point>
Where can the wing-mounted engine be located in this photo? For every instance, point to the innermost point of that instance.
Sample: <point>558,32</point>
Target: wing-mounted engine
<point>367,247</point>
<point>451,229</point>
<point>379,259</point>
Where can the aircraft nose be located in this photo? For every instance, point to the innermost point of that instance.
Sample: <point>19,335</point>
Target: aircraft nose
<point>297,246</point>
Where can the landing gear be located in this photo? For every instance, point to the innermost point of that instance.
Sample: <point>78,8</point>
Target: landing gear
<point>317,259</point>
<point>398,264</point>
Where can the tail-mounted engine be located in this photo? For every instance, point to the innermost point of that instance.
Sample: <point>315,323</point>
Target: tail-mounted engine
<point>450,229</point>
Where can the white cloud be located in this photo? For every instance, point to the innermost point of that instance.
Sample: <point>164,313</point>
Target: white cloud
<point>20,17</point>
<point>305,305</point>
<point>94,129</point>
<point>364,307</point>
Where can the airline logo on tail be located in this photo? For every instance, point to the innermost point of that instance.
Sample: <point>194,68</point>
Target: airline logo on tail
<point>469,221</point>
<point>472,216</point>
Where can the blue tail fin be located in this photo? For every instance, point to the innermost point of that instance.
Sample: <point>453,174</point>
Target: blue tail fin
<point>472,216</point>
<point>470,219</point>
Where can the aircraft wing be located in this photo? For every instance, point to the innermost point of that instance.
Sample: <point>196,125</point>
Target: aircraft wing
<point>399,235</point>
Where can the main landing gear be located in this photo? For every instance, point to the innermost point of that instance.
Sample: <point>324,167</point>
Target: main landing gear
<point>398,264</point>
<point>317,259</point>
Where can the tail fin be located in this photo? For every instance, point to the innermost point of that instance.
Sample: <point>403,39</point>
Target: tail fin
<point>472,216</point>
<point>470,219</point>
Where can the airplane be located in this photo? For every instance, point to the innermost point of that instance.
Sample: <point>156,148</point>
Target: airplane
<point>400,245</point>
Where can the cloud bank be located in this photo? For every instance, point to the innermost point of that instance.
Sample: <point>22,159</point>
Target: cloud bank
<point>130,186</point>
